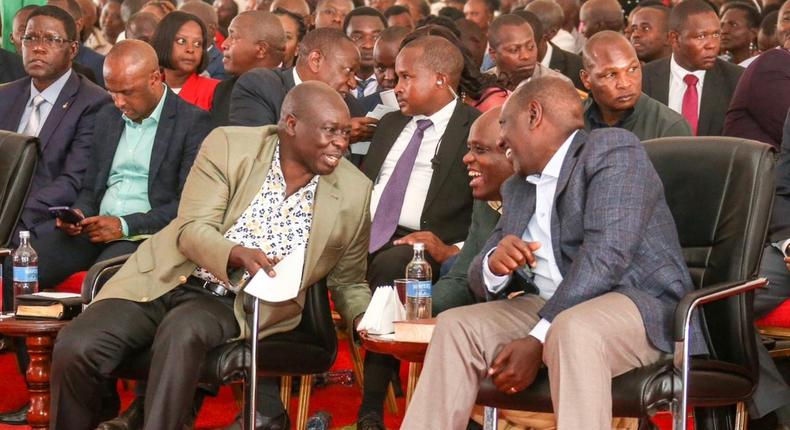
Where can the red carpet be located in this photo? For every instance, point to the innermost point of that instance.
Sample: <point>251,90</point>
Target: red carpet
<point>340,401</point>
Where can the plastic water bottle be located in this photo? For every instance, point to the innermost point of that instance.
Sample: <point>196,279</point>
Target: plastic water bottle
<point>25,266</point>
<point>418,290</point>
<point>320,421</point>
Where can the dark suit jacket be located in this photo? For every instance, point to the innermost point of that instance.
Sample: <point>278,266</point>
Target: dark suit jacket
<point>448,204</point>
<point>780,222</point>
<point>761,99</point>
<point>370,102</point>
<point>611,231</point>
<point>717,91</point>
<point>92,60</point>
<point>11,67</point>
<point>567,63</point>
<point>65,141</point>
<point>220,104</point>
<point>179,134</point>
<point>258,96</point>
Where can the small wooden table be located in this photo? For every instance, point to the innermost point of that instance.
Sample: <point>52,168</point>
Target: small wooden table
<point>412,352</point>
<point>39,336</point>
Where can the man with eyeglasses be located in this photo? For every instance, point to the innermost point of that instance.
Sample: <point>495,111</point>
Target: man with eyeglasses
<point>363,26</point>
<point>331,13</point>
<point>326,55</point>
<point>59,107</point>
<point>694,82</point>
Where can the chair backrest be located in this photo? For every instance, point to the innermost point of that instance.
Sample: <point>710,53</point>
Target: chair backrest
<point>720,191</point>
<point>17,165</point>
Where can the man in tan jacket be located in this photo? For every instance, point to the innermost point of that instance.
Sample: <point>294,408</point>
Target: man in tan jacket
<point>254,195</point>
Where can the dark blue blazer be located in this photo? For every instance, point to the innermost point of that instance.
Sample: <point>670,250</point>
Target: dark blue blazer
<point>92,60</point>
<point>11,67</point>
<point>65,141</point>
<point>215,68</point>
<point>179,134</point>
<point>370,102</point>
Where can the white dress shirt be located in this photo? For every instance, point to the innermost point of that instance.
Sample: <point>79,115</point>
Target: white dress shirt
<point>547,58</point>
<point>547,273</point>
<point>569,41</point>
<point>677,87</point>
<point>420,179</point>
<point>50,94</point>
<point>297,79</point>
<point>371,87</point>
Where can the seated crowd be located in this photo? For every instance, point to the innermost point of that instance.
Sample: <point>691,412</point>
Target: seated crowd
<point>210,141</point>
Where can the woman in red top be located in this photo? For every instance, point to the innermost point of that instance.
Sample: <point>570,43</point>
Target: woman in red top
<point>180,42</point>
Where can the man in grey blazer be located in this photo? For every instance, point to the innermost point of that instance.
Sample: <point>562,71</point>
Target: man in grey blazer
<point>587,230</point>
<point>694,82</point>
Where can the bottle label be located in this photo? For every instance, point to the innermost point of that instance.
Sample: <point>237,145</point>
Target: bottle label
<point>418,289</point>
<point>26,274</point>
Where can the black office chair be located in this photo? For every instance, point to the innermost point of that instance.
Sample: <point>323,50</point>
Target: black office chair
<point>17,165</point>
<point>313,341</point>
<point>720,192</point>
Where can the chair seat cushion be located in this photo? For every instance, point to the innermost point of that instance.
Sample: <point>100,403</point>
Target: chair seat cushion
<point>72,284</point>
<point>644,389</point>
<point>779,317</point>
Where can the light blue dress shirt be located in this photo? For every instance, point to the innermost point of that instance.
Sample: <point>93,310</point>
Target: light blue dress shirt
<point>127,184</point>
<point>50,94</point>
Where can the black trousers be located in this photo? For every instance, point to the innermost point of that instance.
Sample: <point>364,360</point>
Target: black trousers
<point>179,327</point>
<point>61,255</point>
<point>384,266</point>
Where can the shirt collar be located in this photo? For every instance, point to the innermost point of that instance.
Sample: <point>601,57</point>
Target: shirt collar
<point>679,72</point>
<point>553,167</point>
<point>595,117</point>
<point>547,57</point>
<point>297,79</point>
<point>52,92</point>
<point>442,116</point>
<point>155,114</point>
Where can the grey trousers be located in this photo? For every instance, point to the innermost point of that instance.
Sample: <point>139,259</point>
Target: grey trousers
<point>586,346</point>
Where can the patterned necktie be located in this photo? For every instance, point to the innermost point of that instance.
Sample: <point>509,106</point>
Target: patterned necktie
<point>361,85</point>
<point>690,107</point>
<point>34,122</point>
<point>391,202</point>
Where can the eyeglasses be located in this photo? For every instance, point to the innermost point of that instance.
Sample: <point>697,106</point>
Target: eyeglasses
<point>48,41</point>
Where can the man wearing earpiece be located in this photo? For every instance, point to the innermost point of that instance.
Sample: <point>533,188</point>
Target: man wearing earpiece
<point>421,187</point>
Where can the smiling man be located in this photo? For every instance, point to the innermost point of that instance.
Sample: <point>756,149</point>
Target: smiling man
<point>694,82</point>
<point>245,181</point>
<point>613,75</point>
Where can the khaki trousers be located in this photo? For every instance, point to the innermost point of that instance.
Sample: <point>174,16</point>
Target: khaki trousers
<point>586,346</point>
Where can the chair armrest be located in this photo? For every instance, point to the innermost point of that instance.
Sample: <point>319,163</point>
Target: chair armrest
<point>98,274</point>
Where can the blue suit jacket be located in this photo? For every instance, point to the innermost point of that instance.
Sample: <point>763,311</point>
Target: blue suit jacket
<point>611,231</point>
<point>182,128</point>
<point>215,68</point>
<point>11,67</point>
<point>65,141</point>
<point>93,60</point>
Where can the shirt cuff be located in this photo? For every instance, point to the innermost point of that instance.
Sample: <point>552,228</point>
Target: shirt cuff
<point>783,246</point>
<point>494,283</point>
<point>460,245</point>
<point>124,227</point>
<point>540,330</point>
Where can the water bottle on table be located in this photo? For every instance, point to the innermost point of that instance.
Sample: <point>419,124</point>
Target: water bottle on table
<point>25,267</point>
<point>418,292</point>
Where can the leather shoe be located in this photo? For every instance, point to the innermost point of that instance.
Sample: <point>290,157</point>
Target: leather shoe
<point>130,419</point>
<point>17,417</point>
<point>280,422</point>
<point>371,421</point>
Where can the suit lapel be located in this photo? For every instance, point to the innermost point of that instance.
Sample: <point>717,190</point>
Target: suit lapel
<point>449,145</point>
<point>109,147</point>
<point>710,102</point>
<point>58,111</point>
<point>19,99</point>
<point>557,61</point>
<point>382,142</point>
<point>288,78</point>
<point>660,82</point>
<point>568,166</point>
<point>525,193</point>
<point>325,210</point>
<point>164,130</point>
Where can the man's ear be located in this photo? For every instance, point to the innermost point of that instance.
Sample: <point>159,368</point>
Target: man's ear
<point>535,114</point>
<point>262,50</point>
<point>492,53</point>
<point>585,77</point>
<point>290,125</point>
<point>314,59</point>
<point>673,38</point>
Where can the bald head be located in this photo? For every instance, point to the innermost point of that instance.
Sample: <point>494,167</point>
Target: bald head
<point>308,98</point>
<point>599,48</point>
<point>133,54</point>
<point>599,15</point>
<point>205,12</point>
<point>558,98</point>
<point>263,26</point>
<point>550,15</point>
<point>255,39</point>
<point>298,7</point>
<point>131,75</point>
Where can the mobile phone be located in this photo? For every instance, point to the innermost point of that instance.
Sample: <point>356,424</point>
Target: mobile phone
<point>67,214</point>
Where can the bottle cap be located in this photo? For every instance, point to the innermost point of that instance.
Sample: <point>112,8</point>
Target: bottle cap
<point>419,246</point>
<point>24,234</point>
